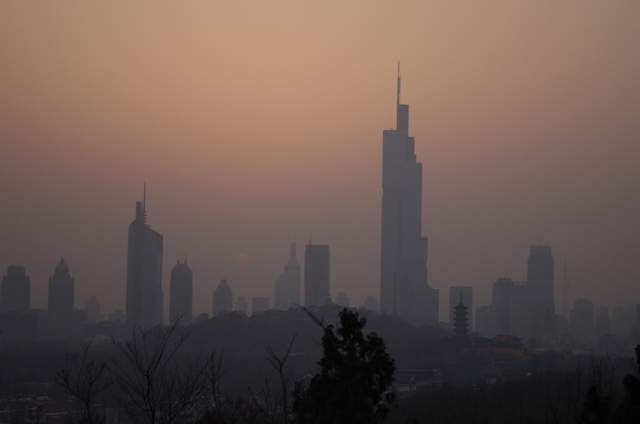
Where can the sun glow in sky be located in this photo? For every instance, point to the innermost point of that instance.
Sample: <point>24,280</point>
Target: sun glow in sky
<point>256,124</point>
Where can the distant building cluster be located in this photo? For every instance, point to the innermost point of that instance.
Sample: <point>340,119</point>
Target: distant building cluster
<point>524,310</point>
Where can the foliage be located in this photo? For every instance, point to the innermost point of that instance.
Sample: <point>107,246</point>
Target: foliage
<point>355,375</point>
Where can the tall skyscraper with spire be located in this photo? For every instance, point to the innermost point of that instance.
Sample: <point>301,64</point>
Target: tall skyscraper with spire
<point>404,291</point>
<point>181,293</point>
<point>287,287</point>
<point>60,301</point>
<point>144,272</point>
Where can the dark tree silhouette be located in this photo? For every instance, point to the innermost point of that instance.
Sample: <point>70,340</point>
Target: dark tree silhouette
<point>629,409</point>
<point>355,375</point>
<point>85,378</point>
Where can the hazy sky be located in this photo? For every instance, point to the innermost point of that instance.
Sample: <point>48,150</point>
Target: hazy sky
<point>257,123</point>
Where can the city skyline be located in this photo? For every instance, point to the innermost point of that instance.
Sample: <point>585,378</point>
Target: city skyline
<point>524,117</point>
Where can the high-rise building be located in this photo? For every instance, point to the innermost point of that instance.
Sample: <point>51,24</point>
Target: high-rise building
<point>582,320</point>
<point>464,295</point>
<point>92,308</point>
<point>61,297</point>
<point>343,300</point>
<point>603,321</point>
<point>507,296</point>
<point>404,291</point>
<point>486,321</point>
<point>259,304</point>
<point>144,272</point>
<point>241,305</point>
<point>222,298</point>
<point>287,287</point>
<point>371,303</point>
<point>316,274</point>
<point>540,273</point>
<point>181,293</point>
<point>15,290</point>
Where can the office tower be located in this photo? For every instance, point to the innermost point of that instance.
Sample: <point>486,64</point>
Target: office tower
<point>582,320</point>
<point>458,294</point>
<point>144,272</point>
<point>92,308</point>
<point>521,316</point>
<point>603,321</point>
<point>15,290</point>
<point>259,304</point>
<point>343,300</point>
<point>486,321</point>
<point>316,274</point>
<point>241,305</point>
<point>287,287</point>
<point>623,318</point>
<point>181,293</point>
<point>507,294</point>
<point>60,301</point>
<point>403,262</point>
<point>117,316</point>
<point>540,282</point>
<point>222,298</point>
<point>371,303</point>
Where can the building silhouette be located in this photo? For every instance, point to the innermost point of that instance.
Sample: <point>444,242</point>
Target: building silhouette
<point>464,295</point>
<point>92,308</point>
<point>287,287</point>
<point>222,298</point>
<point>486,321</point>
<point>144,272</point>
<point>316,274</point>
<point>371,303</point>
<point>241,305</point>
<point>404,291</point>
<point>181,293</point>
<point>540,280</point>
<point>582,320</point>
<point>61,299</point>
<point>343,300</point>
<point>259,304</point>
<point>15,290</point>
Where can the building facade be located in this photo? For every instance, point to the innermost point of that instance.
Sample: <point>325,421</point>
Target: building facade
<point>222,298</point>
<point>404,291</point>
<point>540,280</point>
<point>144,273</point>
<point>287,287</point>
<point>15,290</point>
<point>317,264</point>
<point>181,293</point>
<point>60,300</point>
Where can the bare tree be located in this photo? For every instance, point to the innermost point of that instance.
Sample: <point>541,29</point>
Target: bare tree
<point>85,378</point>
<point>158,388</point>
<point>278,363</point>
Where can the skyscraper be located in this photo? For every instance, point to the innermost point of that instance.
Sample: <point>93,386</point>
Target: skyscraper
<point>15,290</point>
<point>144,272</point>
<point>403,264</point>
<point>287,287</point>
<point>60,301</point>
<point>222,298</point>
<point>540,273</point>
<point>316,274</point>
<point>181,293</point>
<point>464,295</point>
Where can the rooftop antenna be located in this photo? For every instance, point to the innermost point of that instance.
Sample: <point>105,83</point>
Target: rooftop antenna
<point>144,203</point>
<point>398,94</point>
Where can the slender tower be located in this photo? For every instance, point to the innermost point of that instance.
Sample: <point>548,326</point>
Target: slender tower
<point>403,265</point>
<point>144,272</point>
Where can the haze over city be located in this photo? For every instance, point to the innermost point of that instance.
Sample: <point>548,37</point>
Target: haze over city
<point>255,124</point>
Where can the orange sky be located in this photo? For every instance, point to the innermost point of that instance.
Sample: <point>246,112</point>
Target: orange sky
<point>255,123</point>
